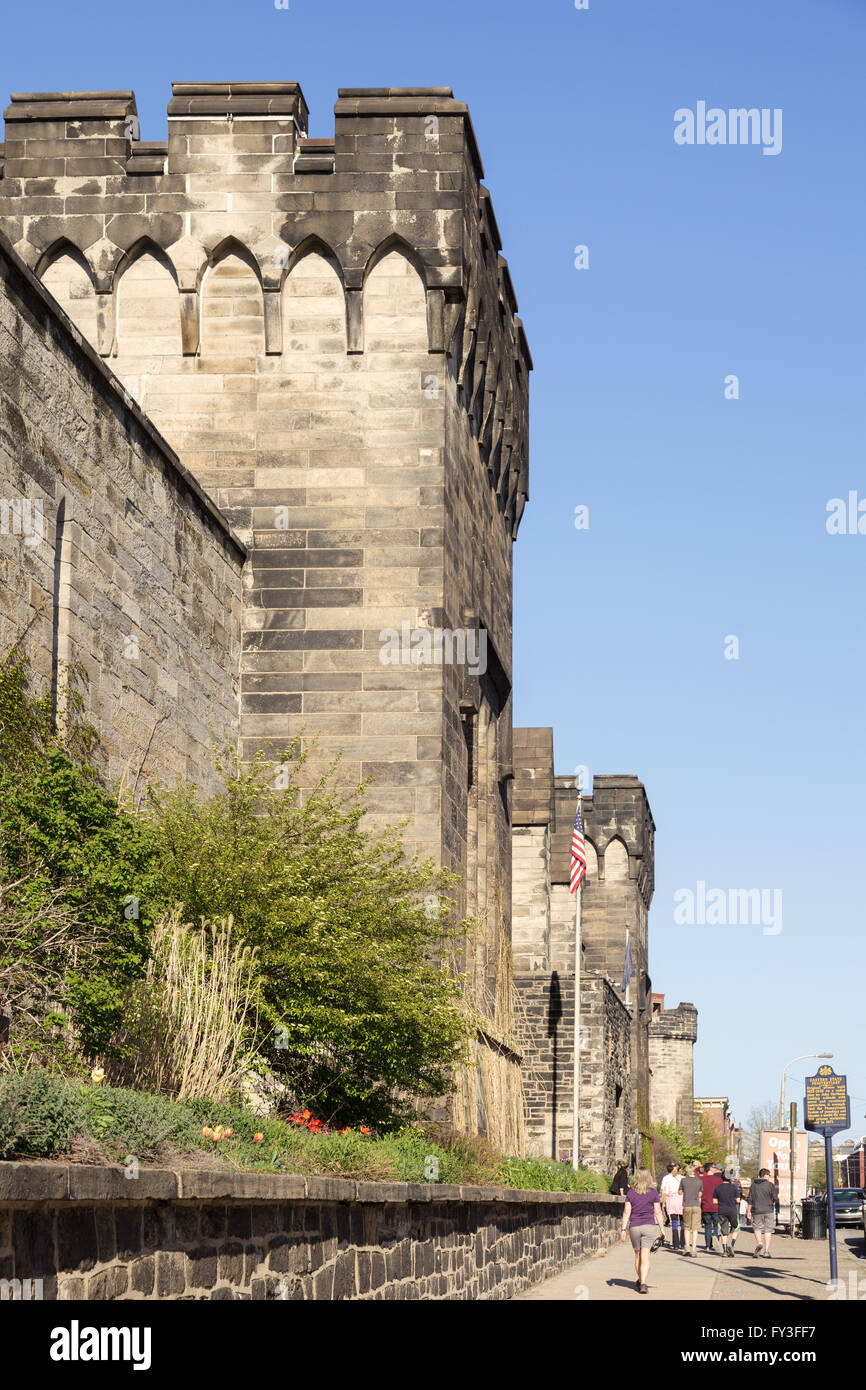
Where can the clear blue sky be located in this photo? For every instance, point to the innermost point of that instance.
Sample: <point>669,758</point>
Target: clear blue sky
<point>707,516</point>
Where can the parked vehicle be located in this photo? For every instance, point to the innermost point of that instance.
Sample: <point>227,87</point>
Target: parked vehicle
<point>848,1205</point>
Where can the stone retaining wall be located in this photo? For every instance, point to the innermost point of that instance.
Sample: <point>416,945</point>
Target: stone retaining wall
<point>91,1233</point>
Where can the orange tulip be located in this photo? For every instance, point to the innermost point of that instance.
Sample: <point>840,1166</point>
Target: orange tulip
<point>365,1129</point>
<point>257,1138</point>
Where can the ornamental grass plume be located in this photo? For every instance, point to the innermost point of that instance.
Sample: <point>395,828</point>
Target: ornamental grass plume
<point>191,1016</point>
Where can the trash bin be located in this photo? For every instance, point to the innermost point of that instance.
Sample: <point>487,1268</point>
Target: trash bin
<point>814,1220</point>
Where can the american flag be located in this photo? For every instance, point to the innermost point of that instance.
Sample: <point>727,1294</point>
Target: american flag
<point>578,854</point>
<point>628,968</point>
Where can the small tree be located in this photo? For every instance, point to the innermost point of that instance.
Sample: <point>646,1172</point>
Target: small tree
<point>358,1006</point>
<point>707,1145</point>
<point>761,1117</point>
<point>669,1144</point>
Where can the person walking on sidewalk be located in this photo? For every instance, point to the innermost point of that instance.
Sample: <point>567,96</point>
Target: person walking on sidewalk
<point>620,1183</point>
<point>727,1195</point>
<point>709,1210</point>
<point>692,1190</point>
<point>641,1217</point>
<point>762,1212</point>
<point>673,1200</point>
<point>732,1177</point>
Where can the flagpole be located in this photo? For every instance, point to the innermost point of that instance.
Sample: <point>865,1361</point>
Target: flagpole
<point>625,970</point>
<point>575,1133</point>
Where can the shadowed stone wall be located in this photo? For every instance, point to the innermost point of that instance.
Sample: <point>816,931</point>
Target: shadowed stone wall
<point>607,1099</point>
<point>546,1012</point>
<point>89,1233</point>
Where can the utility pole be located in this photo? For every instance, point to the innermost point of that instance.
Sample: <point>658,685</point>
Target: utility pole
<point>792,1157</point>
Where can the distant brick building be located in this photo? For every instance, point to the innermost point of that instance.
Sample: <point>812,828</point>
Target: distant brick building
<point>716,1111</point>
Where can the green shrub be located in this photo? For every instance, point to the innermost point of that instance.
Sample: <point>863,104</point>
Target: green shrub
<point>136,1122</point>
<point>539,1175</point>
<point>73,862</point>
<point>352,1155</point>
<point>39,1114</point>
<point>411,1149</point>
<point>358,1012</point>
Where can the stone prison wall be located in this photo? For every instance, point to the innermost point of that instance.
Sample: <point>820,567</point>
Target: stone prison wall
<point>112,559</point>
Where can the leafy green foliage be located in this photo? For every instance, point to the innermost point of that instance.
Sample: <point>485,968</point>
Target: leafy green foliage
<point>546,1176</point>
<point>39,1114</point>
<point>669,1144</point>
<point>135,1122</point>
<point>356,1002</point>
<point>707,1146</point>
<point>71,852</point>
<point>672,1146</point>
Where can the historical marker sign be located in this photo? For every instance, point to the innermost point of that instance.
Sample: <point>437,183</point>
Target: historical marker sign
<point>827,1110</point>
<point>826,1106</point>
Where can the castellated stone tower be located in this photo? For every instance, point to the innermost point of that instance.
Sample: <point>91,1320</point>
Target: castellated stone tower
<point>620,880</point>
<point>587,1040</point>
<point>672,1037</point>
<point>326,333</point>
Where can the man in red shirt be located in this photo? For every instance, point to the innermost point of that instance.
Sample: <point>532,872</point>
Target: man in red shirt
<point>709,1207</point>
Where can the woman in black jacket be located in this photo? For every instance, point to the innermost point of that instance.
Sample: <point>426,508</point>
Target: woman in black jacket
<point>620,1184</point>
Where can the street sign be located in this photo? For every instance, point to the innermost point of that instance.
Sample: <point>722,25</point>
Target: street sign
<point>826,1107</point>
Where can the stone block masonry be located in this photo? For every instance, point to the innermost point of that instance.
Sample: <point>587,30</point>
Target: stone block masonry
<point>615,902</point>
<point>634,1067</point>
<point>327,333</point>
<point>89,1233</point>
<point>607,1082</point>
<point>672,1037</point>
<point>545,1012</point>
<point>112,558</point>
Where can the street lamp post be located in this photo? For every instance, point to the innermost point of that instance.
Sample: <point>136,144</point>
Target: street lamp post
<point>782,1092</point>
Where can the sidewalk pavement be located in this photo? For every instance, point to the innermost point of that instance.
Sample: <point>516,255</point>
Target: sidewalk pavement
<point>796,1269</point>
